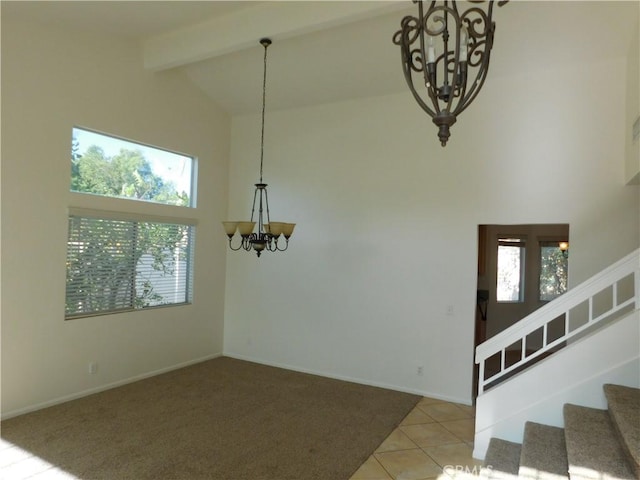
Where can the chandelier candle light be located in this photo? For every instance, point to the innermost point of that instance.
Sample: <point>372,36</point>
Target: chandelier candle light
<point>268,233</point>
<point>449,51</point>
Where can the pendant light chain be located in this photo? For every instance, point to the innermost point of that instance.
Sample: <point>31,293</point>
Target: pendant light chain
<point>264,96</point>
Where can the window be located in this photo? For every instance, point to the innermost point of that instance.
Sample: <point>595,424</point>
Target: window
<point>124,260</point>
<point>110,166</point>
<point>553,271</point>
<point>511,261</point>
<point>116,265</point>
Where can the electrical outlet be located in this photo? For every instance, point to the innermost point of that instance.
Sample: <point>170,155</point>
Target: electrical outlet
<point>449,310</point>
<point>420,370</point>
<point>93,368</point>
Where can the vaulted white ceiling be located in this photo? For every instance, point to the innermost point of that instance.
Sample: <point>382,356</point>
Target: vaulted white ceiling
<point>326,51</point>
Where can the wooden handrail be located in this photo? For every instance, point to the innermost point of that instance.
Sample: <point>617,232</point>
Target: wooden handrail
<point>561,306</point>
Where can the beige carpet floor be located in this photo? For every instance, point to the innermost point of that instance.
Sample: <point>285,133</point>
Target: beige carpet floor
<point>223,419</point>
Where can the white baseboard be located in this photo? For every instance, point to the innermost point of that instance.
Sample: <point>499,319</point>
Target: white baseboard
<point>102,388</point>
<point>345,378</point>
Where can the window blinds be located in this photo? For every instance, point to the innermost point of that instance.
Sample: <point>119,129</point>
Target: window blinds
<point>118,265</point>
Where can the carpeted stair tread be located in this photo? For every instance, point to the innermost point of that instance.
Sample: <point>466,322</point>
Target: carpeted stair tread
<point>502,460</point>
<point>544,453</point>
<point>624,409</point>
<point>593,449</point>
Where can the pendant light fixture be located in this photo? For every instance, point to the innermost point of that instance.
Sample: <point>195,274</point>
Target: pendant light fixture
<point>564,248</point>
<point>267,234</point>
<point>447,51</point>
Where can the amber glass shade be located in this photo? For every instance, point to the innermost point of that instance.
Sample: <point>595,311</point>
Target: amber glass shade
<point>277,228</point>
<point>288,229</point>
<point>246,228</point>
<point>230,227</point>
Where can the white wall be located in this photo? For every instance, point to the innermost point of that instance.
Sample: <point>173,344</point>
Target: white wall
<point>387,220</point>
<point>632,169</point>
<point>51,81</point>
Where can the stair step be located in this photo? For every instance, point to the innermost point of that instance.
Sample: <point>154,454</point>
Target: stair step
<point>544,453</point>
<point>593,449</point>
<point>502,460</point>
<point>624,409</point>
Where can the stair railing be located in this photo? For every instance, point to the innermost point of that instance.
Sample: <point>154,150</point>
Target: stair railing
<point>562,306</point>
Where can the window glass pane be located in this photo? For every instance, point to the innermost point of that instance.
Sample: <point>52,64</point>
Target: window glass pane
<point>553,271</point>
<point>105,165</point>
<point>117,265</point>
<point>510,281</point>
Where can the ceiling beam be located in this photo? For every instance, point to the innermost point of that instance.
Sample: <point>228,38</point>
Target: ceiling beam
<point>243,28</point>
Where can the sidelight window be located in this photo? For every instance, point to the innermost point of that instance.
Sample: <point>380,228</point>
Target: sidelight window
<point>511,262</point>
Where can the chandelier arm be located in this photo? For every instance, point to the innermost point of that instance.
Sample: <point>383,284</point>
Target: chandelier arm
<point>456,64</point>
<point>445,40</point>
<point>406,67</point>
<point>483,67</point>
<point>463,82</point>
<point>454,6</point>
<point>421,31</point>
<point>269,245</point>
<point>473,92</point>
<point>432,86</point>
<point>266,202</point>
<point>409,31</point>
<point>260,213</point>
<point>462,87</point>
<point>464,97</point>
<point>423,104</point>
<point>274,246</point>
<point>481,76</point>
<point>431,12</point>
<point>253,206</point>
<point>286,245</point>
<point>231,246</point>
<point>490,9</point>
<point>404,38</point>
<point>246,242</point>
<point>484,19</point>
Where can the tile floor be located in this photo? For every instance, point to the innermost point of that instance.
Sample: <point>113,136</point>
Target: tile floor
<point>434,441</point>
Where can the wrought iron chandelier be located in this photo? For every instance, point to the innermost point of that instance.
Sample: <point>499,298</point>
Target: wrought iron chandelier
<point>267,235</point>
<point>449,51</point>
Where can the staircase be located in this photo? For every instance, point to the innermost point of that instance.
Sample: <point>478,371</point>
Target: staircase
<point>563,353</point>
<point>589,306</point>
<point>593,445</point>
